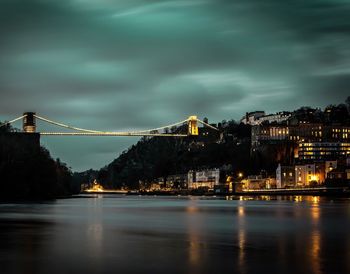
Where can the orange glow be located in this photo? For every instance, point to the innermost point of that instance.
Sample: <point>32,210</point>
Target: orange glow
<point>314,178</point>
<point>316,199</point>
<point>241,212</point>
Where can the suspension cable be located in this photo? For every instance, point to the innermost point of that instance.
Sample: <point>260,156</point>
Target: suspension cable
<point>110,134</point>
<point>90,132</point>
<point>163,127</point>
<point>206,124</point>
<point>12,121</point>
<point>67,126</point>
<point>140,132</point>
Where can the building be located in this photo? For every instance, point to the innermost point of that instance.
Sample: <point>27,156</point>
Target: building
<point>305,175</point>
<point>302,132</point>
<point>176,181</point>
<point>340,173</point>
<point>323,150</point>
<point>339,177</point>
<point>278,118</point>
<point>312,141</point>
<point>207,178</point>
<point>256,182</point>
<point>285,176</point>
<point>329,166</point>
<point>259,117</point>
<point>251,118</point>
<point>318,132</point>
<point>268,133</point>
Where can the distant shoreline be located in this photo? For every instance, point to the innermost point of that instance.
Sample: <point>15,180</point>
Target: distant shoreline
<point>335,191</point>
<point>326,192</point>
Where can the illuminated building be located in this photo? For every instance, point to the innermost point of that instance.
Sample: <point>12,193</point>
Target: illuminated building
<point>259,117</point>
<point>317,132</point>
<point>264,134</point>
<point>255,182</point>
<point>305,175</point>
<point>251,117</point>
<point>205,178</point>
<point>95,187</point>
<point>323,150</point>
<point>329,166</point>
<point>285,176</point>
<point>302,175</point>
<point>300,133</point>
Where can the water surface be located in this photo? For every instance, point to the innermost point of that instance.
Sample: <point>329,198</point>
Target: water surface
<point>132,234</point>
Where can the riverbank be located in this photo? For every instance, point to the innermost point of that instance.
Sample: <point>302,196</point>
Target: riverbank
<point>319,191</point>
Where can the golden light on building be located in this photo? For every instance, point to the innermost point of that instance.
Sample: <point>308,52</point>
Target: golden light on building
<point>315,177</point>
<point>96,187</point>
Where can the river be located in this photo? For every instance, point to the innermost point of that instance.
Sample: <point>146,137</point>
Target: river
<point>134,234</point>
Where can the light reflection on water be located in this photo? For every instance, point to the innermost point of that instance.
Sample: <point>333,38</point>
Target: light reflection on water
<point>132,234</point>
<point>241,239</point>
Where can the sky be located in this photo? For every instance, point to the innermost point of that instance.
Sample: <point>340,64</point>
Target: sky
<point>138,64</point>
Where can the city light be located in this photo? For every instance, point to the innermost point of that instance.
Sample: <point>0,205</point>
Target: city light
<point>314,178</point>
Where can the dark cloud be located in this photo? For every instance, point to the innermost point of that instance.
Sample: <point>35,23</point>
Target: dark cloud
<point>140,64</point>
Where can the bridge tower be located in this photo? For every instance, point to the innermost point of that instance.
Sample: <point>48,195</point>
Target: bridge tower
<point>192,125</point>
<point>29,123</point>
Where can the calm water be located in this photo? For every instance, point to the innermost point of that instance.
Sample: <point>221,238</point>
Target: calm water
<point>132,234</point>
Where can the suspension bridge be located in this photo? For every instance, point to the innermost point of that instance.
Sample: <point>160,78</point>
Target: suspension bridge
<point>29,125</point>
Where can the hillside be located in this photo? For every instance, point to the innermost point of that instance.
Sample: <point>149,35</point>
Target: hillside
<point>27,171</point>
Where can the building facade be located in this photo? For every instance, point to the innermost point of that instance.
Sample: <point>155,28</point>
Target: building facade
<point>207,178</point>
<point>259,117</point>
<point>323,150</point>
<point>256,182</point>
<point>305,174</point>
<point>263,134</point>
<point>285,176</point>
<point>176,181</point>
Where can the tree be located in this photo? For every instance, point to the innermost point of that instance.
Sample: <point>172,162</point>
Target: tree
<point>347,101</point>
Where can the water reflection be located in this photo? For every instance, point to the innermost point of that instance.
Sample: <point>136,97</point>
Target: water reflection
<point>94,239</point>
<point>315,236</point>
<point>28,236</point>
<point>110,234</point>
<point>94,228</point>
<point>194,228</point>
<point>241,238</point>
<point>315,252</point>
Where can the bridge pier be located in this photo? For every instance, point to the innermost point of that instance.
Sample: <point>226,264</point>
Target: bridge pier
<point>29,122</point>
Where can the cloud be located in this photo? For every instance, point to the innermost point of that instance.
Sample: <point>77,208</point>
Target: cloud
<point>116,65</point>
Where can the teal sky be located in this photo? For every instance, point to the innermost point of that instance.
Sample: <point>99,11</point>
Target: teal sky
<point>118,65</point>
